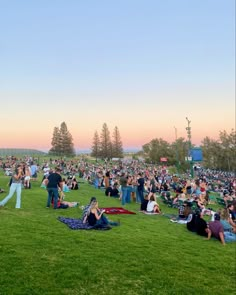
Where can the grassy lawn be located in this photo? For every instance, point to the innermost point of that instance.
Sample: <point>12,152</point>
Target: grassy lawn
<point>145,255</point>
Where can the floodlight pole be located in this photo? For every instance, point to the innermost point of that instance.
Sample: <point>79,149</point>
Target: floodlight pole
<point>177,153</point>
<point>189,147</point>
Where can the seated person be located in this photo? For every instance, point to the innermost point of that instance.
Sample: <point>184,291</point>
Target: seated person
<point>144,203</point>
<point>44,183</point>
<point>227,221</point>
<point>74,184</point>
<point>152,206</point>
<point>201,225</point>
<point>184,213</point>
<point>86,208</point>
<point>96,217</point>
<point>112,191</point>
<point>232,212</point>
<point>108,191</point>
<point>65,187</point>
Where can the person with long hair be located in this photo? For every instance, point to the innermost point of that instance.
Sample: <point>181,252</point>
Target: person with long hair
<point>96,217</point>
<point>16,186</point>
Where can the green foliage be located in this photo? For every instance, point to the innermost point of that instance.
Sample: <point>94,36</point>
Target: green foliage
<point>105,148</point>
<point>20,152</point>
<point>220,154</point>
<point>117,149</point>
<point>96,146</point>
<point>62,142</point>
<point>145,255</point>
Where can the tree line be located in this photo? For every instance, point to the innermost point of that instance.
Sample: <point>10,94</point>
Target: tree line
<point>217,153</point>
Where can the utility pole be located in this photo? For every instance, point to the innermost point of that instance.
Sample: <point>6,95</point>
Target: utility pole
<point>177,152</point>
<point>189,147</point>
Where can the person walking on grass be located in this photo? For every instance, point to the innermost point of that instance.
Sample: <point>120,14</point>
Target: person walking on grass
<point>16,186</point>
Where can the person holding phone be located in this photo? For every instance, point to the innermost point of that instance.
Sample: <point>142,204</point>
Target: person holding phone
<point>96,217</point>
<point>16,186</point>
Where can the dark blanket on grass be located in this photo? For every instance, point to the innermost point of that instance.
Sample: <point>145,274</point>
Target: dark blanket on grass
<point>75,223</point>
<point>117,210</point>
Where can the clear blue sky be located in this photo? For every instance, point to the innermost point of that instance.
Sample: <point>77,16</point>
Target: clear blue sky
<point>101,51</point>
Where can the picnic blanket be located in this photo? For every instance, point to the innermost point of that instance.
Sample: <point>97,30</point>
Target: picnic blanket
<point>77,223</point>
<point>117,210</point>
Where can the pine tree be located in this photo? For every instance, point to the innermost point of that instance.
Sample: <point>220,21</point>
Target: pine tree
<point>62,142</point>
<point>105,140</point>
<point>55,141</point>
<point>67,146</point>
<point>117,148</point>
<point>96,146</point>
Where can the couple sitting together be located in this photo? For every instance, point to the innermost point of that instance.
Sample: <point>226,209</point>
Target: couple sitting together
<point>149,204</point>
<point>94,216</point>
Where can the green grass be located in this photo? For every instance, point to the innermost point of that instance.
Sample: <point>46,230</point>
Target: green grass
<point>145,255</point>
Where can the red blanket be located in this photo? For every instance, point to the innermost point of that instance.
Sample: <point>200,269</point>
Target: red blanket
<point>117,210</point>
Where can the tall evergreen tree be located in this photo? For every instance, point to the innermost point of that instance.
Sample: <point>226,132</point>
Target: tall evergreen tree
<point>55,141</point>
<point>105,140</point>
<point>117,148</point>
<point>96,146</point>
<point>62,142</point>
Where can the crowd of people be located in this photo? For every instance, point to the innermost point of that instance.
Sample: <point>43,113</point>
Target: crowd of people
<point>133,181</point>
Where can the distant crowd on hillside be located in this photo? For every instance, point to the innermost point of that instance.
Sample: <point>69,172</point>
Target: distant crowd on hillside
<point>134,181</point>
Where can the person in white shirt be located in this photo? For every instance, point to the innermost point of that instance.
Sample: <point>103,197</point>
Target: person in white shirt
<point>152,206</point>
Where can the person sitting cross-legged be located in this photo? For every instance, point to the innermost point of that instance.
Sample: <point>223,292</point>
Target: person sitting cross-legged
<point>96,217</point>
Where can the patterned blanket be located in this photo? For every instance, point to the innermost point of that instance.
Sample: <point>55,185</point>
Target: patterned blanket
<point>74,223</point>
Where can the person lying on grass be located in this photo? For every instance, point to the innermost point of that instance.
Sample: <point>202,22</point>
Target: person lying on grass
<point>61,204</point>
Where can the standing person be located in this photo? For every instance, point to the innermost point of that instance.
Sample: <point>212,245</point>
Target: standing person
<point>54,181</point>
<point>34,170</point>
<point>124,188</point>
<point>16,185</point>
<point>27,177</point>
<point>140,188</point>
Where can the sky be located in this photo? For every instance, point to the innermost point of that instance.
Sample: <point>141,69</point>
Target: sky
<point>141,65</point>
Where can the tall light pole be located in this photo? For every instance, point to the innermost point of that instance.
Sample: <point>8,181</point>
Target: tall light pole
<point>177,152</point>
<point>189,146</point>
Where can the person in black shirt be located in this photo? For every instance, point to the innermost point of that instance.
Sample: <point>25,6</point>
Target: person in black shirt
<point>54,181</point>
<point>201,225</point>
<point>112,191</point>
<point>140,189</point>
